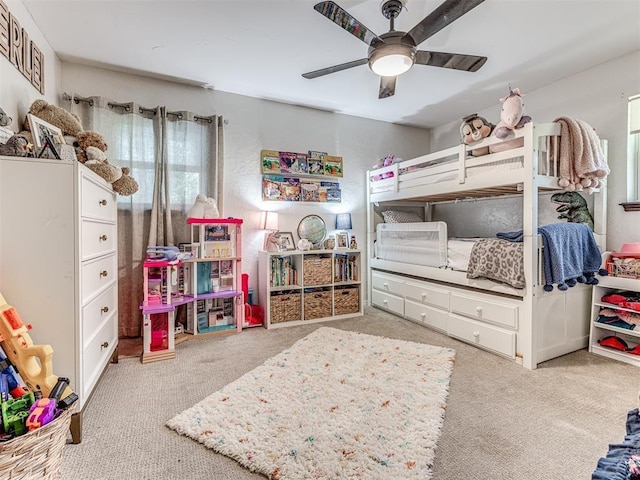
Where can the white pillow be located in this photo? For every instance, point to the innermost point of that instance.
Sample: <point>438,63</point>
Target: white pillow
<point>393,216</point>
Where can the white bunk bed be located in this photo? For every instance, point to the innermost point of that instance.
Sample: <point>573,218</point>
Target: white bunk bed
<point>528,325</point>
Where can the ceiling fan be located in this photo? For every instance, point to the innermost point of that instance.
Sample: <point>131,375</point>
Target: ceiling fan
<point>395,52</point>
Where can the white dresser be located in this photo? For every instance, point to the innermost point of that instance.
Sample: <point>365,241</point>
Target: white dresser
<point>58,265</point>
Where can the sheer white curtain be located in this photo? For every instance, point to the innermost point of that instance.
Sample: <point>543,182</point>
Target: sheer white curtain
<point>173,156</point>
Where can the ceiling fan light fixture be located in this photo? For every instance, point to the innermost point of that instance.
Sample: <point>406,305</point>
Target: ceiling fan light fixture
<point>392,60</point>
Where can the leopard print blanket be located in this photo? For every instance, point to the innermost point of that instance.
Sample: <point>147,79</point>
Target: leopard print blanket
<point>498,260</point>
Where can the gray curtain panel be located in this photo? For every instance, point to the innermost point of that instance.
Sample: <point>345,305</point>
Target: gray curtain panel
<point>173,156</point>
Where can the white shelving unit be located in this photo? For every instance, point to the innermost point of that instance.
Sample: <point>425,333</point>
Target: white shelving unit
<point>298,287</point>
<point>607,286</point>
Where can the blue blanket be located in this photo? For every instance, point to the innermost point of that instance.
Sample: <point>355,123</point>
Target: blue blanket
<point>570,254</point>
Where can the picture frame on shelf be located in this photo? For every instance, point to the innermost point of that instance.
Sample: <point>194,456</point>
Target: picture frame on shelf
<point>286,241</point>
<point>342,241</point>
<point>40,130</point>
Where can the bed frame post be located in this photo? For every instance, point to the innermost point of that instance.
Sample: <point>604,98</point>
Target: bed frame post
<point>527,341</point>
<point>600,207</point>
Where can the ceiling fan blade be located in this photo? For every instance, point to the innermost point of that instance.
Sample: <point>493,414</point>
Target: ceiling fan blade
<point>335,68</point>
<point>387,87</point>
<point>442,16</point>
<point>456,61</point>
<point>340,17</point>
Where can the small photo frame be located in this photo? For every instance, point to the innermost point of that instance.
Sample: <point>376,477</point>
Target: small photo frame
<point>342,240</point>
<point>286,241</point>
<point>41,130</point>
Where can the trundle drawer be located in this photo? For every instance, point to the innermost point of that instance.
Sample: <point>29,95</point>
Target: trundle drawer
<point>483,335</point>
<point>388,302</point>
<point>429,316</point>
<point>425,293</point>
<point>388,283</point>
<point>484,309</point>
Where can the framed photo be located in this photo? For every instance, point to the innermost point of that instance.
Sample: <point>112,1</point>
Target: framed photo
<point>286,241</point>
<point>342,240</point>
<point>42,130</point>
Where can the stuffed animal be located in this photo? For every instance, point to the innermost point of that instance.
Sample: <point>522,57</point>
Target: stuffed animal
<point>16,146</point>
<point>198,208</point>
<point>4,118</point>
<point>87,139</point>
<point>512,117</point>
<point>98,163</point>
<point>126,185</point>
<point>211,209</point>
<point>66,121</point>
<point>385,162</point>
<point>473,129</point>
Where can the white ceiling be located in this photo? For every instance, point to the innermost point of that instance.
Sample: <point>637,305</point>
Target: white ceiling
<point>261,48</point>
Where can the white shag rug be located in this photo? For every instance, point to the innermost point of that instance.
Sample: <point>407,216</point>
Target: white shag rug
<point>336,405</point>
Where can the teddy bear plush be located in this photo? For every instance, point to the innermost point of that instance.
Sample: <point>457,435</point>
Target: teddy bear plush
<point>87,139</point>
<point>473,129</point>
<point>385,162</point>
<point>98,163</point>
<point>66,121</point>
<point>126,185</point>
<point>16,146</point>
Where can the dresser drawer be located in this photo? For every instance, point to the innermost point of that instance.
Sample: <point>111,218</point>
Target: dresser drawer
<point>97,275</point>
<point>387,283</point>
<point>482,335</point>
<point>425,293</point>
<point>97,311</point>
<point>98,238</point>
<point>97,353</point>
<point>96,200</point>
<point>491,310</point>
<point>388,302</point>
<point>425,315</point>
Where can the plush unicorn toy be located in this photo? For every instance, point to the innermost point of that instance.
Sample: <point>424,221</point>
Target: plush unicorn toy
<point>511,118</point>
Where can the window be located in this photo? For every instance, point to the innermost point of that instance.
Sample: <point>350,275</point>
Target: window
<point>633,145</point>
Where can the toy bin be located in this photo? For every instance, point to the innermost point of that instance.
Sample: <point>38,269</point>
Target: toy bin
<point>38,453</point>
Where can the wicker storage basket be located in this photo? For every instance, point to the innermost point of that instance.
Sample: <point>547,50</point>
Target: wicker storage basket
<point>285,308</point>
<point>36,454</point>
<point>317,270</point>
<point>346,300</point>
<point>317,304</point>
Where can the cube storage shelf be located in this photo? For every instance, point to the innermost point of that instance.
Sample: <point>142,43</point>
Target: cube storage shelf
<point>209,285</point>
<point>298,287</point>
<point>614,285</point>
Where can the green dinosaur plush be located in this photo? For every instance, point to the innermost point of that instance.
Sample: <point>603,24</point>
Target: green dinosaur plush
<point>573,207</point>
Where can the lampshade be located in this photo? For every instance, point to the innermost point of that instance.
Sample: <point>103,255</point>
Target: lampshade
<point>391,60</point>
<point>269,221</point>
<point>343,221</point>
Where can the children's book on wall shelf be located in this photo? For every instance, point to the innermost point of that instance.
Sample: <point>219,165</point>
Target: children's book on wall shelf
<point>301,177</point>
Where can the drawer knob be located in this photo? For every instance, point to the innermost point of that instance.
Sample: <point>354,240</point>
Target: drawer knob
<point>479,310</point>
<point>102,202</point>
<point>385,285</point>
<point>103,273</point>
<point>104,309</point>
<point>476,334</point>
<point>424,296</point>
<point>385,302</point>
<point>105,345</point>
<point>103,238</point>
<point>423,315</point>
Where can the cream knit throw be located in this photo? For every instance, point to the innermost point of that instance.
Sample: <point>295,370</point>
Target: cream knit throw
<point>581,160</point>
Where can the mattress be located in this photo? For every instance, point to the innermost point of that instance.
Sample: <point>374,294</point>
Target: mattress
<point>459,252</point>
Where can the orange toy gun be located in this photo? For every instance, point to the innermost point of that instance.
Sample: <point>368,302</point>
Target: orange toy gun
<point>34,362</point>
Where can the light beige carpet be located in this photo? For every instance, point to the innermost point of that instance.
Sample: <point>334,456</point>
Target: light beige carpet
<point>335,405</point>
